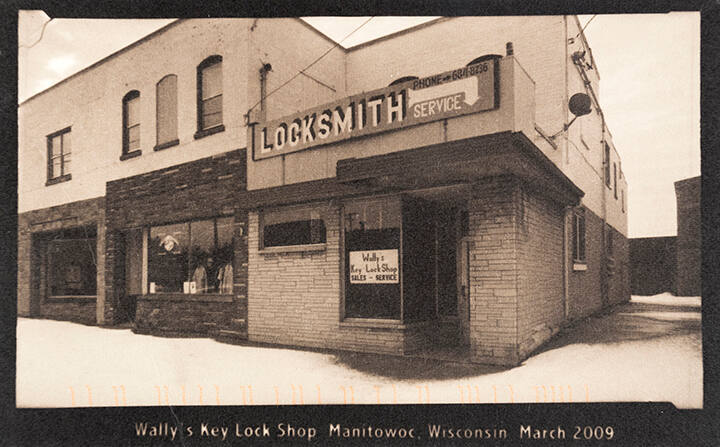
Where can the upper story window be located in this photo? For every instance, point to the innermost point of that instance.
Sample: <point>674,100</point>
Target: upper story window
<point>615,180</point>
<point>209,96</point>
<point>623,200</point>
<point>606,164</point>
<point>59,149</point>
<point>131,125</point>
<point>166,111</point>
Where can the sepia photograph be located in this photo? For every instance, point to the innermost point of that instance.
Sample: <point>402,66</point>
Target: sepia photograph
<point>358,210</point>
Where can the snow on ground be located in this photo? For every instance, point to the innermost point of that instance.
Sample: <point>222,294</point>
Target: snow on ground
<point>635,353</point>
<point>668,299</point>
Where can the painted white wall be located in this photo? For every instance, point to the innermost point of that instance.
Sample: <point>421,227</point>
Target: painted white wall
<point>91,103</point>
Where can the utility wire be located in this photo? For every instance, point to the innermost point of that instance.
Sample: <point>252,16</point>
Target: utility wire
<point>311,64</point>
<point>42,31</point>
<point>583,28</point>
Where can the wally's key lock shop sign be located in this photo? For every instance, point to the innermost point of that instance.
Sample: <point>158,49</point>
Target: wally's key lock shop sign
<point>374,267</point>
<point>457,92</point>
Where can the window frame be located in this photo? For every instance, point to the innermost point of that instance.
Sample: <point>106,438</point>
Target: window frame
<point>615,180</point>
<point>345,320</point>
<point>132,95</point>
<point>606,164</point>
<point>63,177</point>
<point>579,240</point>
<point>201,130</point>
<point>192,296</point>
<point>296,247</point>
<point>174,141</point>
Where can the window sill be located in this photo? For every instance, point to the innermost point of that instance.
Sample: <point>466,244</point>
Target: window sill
<point>292,249</point>
<point>62,178</point>
<point>579,267</point>
<point>129,155</point>
<point>166,145</point>
<point>373,323</point>
<point>197,297</point>
<point>207,132</point>
<point>69,298</point>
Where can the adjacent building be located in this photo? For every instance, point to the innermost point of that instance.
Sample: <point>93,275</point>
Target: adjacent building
<point>427,189</point>
<point>671,263</point>
<point>689,240</point>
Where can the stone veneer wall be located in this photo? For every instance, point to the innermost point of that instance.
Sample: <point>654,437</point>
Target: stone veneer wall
<point>199,189</point>
<point>32,226</point>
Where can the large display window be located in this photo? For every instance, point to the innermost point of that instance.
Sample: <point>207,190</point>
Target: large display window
<point>373,235</point>
<point>72,267</point>
<point>191,257</point>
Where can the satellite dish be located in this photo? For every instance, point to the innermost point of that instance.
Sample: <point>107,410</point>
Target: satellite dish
<point>580,104</point>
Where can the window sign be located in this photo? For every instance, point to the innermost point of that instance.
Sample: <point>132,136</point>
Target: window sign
<point>374,267</point>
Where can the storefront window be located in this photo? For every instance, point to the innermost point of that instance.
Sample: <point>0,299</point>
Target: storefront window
<point>293,226</point>
<point>71,267</point>
<point>191,257</point>
<point>372,258</point>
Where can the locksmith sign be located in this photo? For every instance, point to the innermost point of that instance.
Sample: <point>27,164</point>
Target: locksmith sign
<point>457,92</point>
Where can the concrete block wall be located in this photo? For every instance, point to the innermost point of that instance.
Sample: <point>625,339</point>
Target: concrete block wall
<point>32,301</point>
<point>295,298</point>
<point>541,302</point>
<point>494,272</point>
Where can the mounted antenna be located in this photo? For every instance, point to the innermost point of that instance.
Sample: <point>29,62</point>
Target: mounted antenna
<point>579,105</point>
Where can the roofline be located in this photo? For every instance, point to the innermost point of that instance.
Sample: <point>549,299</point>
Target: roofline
<point>108,57</point>
<point>685,181</point>
<point>397,33</point>
<point>312,28</point>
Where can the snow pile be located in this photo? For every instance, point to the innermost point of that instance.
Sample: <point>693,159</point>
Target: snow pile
<point>61,364</point>
<point>668,299</point>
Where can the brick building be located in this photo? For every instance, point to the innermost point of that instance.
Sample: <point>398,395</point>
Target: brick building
<point>689,240</point>
<point>420,190</point>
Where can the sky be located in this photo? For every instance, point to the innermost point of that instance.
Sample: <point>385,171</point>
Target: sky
<point>649,67</point>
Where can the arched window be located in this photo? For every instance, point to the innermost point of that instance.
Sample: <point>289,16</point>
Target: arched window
<point>209,96</point>
<point>403,79</point>
<point>131,124</point>
<point>167,116</point>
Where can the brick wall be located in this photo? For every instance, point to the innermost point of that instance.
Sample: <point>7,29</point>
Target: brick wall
<point>652,265</point>
<point>618,268</point>
<point>585,286</point>
<point>33,228</point>
<point>541,301</point>
<point>294,298</point>
<point>493,272</point>
<point>200,189</point>
<point>688,237</point>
